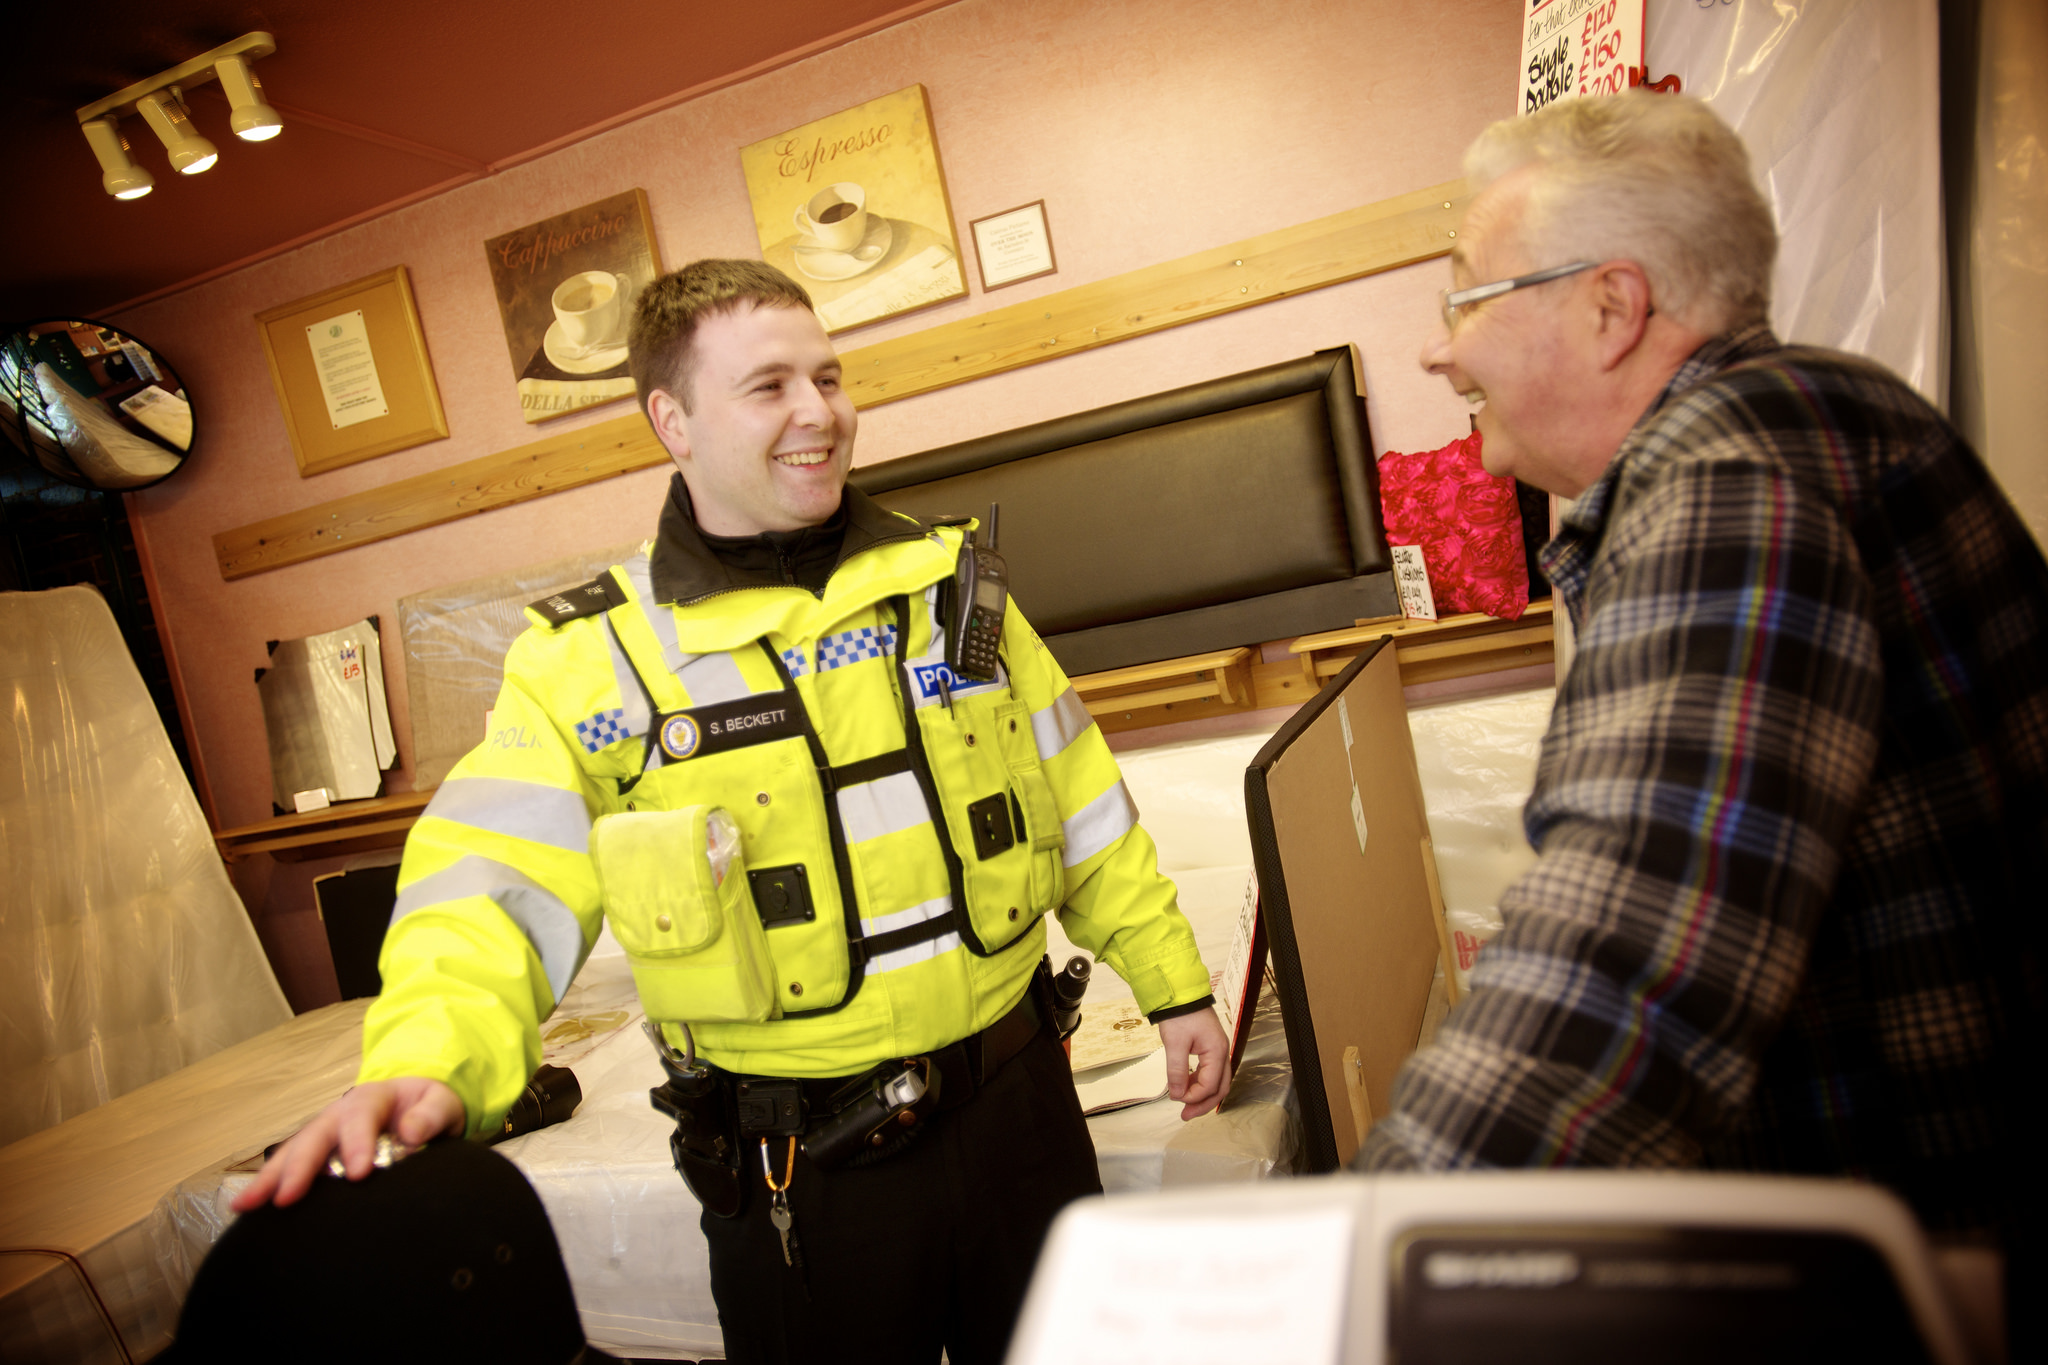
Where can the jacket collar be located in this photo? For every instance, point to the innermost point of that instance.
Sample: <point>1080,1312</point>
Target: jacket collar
<point>1568,558</point>
<point>684,568</point>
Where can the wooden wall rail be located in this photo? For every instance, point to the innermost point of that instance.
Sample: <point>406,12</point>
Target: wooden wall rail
<point>1344,246</point>
<point>463,490</point>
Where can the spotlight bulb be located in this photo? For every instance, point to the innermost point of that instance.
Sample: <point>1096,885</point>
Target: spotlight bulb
<point>167,116</point>
<point>253,119</point>
<point>121,177</point>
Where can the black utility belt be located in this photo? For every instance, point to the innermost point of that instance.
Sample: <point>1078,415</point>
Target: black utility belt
<point>839,1121</point>
<point>772,1106</point>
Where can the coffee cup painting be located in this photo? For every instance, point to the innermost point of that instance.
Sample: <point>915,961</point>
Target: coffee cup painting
<point>854,205</point>
<point>566,287</point>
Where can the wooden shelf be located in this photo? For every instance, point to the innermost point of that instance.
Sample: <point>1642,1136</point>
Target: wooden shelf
<point>346,827</point>
<point>1171,690</point>
<point>1134,698</point>
<point>1430,651</point>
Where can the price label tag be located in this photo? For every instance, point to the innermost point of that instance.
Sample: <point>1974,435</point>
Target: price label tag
<point>1411,576</point>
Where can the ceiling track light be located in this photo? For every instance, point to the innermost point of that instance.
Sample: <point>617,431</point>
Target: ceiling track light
<point>123,178</point>
<point>165,112</point>
<point>160,101</point>
<point>253,119</point>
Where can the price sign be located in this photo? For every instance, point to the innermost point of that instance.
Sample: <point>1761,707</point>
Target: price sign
<point>1578,47</point>
<point>1411,579</point>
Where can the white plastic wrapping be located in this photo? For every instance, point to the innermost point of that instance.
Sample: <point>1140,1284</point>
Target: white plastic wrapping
<point>98,1238</point>
<point>124,952</point>
<point>1477,760</point>
<point>627,1225</point>
<point>455,642</point>
<point>1839,102</point>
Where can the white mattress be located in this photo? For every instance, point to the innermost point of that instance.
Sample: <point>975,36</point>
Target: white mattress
<point>627,1224</point>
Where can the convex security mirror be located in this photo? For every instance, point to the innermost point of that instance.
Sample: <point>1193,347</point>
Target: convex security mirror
<point>91,405</point>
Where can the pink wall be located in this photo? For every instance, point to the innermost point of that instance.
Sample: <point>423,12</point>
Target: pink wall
<point>1151,130</point>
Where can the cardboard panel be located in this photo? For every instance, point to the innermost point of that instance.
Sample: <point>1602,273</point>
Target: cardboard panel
<point>1338,831</point>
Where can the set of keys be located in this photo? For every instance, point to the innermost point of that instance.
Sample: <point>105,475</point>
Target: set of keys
<point>778,1203</point>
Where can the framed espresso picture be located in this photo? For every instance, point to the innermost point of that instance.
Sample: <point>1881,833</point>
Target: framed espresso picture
<point>853,207</point>
<point>566,289</point>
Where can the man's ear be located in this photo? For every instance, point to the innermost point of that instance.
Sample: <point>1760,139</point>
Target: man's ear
<point>665,415</point>
<point>1621,291</point>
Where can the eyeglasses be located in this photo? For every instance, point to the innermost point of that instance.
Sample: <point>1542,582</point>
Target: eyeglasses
<point>1457,299</point>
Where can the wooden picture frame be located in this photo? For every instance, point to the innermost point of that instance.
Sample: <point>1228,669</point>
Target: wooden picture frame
<point>1009,246</point>
<point>883,243</point>
<point>566,289</point>
<point>395,408</point>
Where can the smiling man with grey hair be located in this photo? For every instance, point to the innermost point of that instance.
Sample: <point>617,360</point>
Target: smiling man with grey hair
<point>1786,913</point>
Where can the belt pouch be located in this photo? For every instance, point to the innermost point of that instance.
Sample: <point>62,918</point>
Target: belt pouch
<point>675,890</point>
<point>704,1145</point>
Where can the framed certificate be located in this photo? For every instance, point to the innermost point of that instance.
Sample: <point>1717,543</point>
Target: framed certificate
<point>351,371</point>
<point>1013,246</point>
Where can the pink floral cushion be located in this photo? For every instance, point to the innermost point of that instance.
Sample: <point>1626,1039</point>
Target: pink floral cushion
<point>1467,524</point>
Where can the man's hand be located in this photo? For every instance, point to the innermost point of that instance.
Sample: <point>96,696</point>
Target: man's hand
<point>413,1109</point>
<point>1198,1035</point>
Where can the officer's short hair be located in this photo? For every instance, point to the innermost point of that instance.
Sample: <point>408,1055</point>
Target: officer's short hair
<point>658,348</point>
<point>1655,179</point>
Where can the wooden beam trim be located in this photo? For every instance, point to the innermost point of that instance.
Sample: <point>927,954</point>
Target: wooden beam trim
<point>1343,246</point>
<point>438,497</point>
<point>1325,251</point>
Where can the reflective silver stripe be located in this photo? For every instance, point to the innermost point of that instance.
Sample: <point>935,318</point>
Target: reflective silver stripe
<point>903,919</point>
<point>1060,724</point>
<point>884,806</point>
<point>936,653</point>
<point>1098,824</point>
<point>632,696</point>
<point>711,678</point>
<point>912,954</point>
<point>659,618</point>
<point>549,925</point>
<point>522,810</point>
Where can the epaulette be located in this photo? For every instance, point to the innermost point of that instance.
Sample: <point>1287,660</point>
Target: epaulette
<point>600,594</point>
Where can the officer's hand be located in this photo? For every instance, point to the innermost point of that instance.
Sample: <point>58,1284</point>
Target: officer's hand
<point>1200,1036</point>
<point>413,1109</point>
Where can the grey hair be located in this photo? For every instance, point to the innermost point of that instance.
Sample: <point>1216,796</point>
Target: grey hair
<point>1655,179</point>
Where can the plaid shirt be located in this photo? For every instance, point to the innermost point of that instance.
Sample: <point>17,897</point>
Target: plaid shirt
<point>1786,914</point>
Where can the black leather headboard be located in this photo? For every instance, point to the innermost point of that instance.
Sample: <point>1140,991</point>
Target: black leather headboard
<point>1227,513</point>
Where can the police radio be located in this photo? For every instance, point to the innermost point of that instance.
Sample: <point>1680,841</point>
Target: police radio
<point>979,599</point>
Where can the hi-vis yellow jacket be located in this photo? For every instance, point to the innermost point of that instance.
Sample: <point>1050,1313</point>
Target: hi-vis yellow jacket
<point>820,725</point>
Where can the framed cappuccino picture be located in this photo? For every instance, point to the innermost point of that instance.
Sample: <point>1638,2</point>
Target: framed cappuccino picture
<point>854,208</point>
<point>351,372</point>
<point>566,288</point>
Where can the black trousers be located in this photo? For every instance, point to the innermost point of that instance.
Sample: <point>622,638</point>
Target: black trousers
<point>933,1247</point>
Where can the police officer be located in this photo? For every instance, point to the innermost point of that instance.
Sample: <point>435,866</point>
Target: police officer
<point>778,654</point>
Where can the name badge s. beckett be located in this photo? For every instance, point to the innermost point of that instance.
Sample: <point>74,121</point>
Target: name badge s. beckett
<point>759,719</point>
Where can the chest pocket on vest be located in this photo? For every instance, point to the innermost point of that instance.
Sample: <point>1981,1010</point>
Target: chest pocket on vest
<point>1000,812</point>
<point>676,895</point>
<point>772,792</point>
